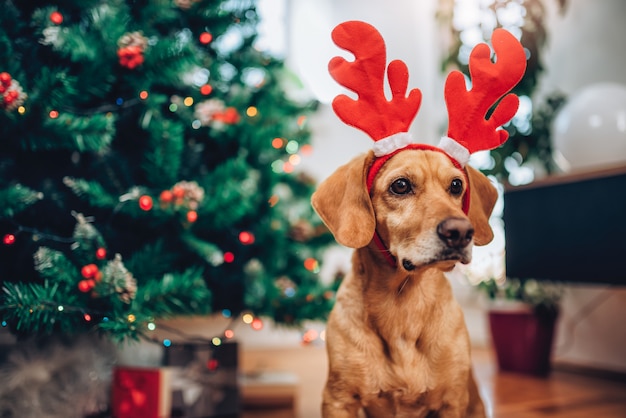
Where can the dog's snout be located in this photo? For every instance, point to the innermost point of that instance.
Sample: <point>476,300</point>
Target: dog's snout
<point>456,232</point>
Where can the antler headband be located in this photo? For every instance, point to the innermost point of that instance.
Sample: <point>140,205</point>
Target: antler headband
<point>387,121</point>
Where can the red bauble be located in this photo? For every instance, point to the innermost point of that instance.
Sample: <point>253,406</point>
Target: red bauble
<point>145,202</point>
<point>56,18</point>
<point>101,253</point>
<point>246,238</point>
<point>206,89</point>
<point>205,38</point>
<point>9,239</point>
<point>86,285</point>
<point>229,257</point>
<point>192,216</point>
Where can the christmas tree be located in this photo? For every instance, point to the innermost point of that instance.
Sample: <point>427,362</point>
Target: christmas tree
<point>147,169</point>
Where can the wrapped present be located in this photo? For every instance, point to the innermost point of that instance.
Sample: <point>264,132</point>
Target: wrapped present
<point>141,392</point>
<point>204,380</point>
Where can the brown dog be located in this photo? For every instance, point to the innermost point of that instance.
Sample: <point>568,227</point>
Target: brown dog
<point>396,338</point>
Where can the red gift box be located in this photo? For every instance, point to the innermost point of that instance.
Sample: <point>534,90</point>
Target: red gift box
<point>141,392</point>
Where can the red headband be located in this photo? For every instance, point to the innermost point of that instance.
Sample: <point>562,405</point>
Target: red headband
<point>387,121</point>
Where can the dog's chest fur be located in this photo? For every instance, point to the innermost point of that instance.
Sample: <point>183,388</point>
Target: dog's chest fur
<point>404,335</point>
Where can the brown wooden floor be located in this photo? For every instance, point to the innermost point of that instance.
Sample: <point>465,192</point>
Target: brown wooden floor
<point>561,395</point>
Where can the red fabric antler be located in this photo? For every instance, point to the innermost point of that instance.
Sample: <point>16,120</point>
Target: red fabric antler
<point>467,110</point>
<point>371,112</point>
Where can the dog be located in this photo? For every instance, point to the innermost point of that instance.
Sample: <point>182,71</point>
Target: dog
<point>396,338</point>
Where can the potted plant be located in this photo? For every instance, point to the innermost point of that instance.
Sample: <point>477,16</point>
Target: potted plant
<point>522,319</point>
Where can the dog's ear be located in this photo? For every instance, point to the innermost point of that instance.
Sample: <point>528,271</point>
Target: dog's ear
<point>483,196</point>
<point>343,203</point>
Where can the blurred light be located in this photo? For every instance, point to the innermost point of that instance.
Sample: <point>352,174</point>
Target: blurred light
<point>273,201</point>
<point>60,308</point>
<point>252,111</point>
<point>288,167</point>
<point>247,318</point>
<point>216,341</point>
<point>229,257</point>
<point>188,101</point>
<point>226,313</point>
<point>167,342</point>
<point>292,147</point>
<point>131,318</point>
<point>9,239</point>
<point>196,124</point>
<point>229,333</point>
<point>277,166</point>
<point>257,324</point>
<point>143,95</point>
<point>246,238</point>
<point>277,143</point>
<point>21,110</point>
<point>87,317</point>
<point>173,107</point>
<point>206,89</point>
<point>295,159</point>
<point>306,149</point>
<point>54,114</point>
<point>151,326</point>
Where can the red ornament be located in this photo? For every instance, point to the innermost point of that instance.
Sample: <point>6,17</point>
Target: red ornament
<point>206,89</point>
<point>145,202</point>
<point>246,238</point>
<point>229,257</point>
<point>86,285</point>
<point>205,38</point>
<point>89,271</point>
<point>166,196</point>
<point>192,216</point>
<point>5,79</point>
<point>9,239</point>
<point>101,253</point>
<point>56,18</point>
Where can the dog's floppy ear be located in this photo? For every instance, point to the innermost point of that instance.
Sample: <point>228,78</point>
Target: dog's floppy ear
<point>343,203</point>
<point>483,196</point>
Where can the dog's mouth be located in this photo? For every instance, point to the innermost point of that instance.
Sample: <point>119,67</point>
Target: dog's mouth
<point>446,258</point>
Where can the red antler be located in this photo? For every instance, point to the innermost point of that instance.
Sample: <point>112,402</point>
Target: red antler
<point>467,110</point>
<point>371,112</point>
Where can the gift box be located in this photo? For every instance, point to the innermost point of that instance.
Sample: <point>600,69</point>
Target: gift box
<point>141,392</point>
<point>203,380</point>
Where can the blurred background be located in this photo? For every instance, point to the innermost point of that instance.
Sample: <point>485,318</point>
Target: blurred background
<point>157,162</point>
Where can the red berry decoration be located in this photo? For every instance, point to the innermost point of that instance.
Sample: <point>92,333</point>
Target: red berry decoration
<point>86,285</point>
<point>56,18</point>
<point>5,79</point>
<point>89,271</point>
<point>166,196</point>
<point>101,253</point>
<point>145,202</point>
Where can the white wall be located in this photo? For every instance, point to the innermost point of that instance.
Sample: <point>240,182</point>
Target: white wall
<point>585,46</point>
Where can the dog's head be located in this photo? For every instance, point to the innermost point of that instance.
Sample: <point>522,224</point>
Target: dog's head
<point>415,204</point>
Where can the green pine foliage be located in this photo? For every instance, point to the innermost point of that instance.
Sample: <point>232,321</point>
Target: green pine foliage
<point>145,169</point>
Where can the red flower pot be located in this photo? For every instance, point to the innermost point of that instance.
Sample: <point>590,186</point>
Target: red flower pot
<point>522,339</point>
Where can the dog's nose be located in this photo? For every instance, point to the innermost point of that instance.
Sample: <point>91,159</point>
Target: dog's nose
<point>456,232</point>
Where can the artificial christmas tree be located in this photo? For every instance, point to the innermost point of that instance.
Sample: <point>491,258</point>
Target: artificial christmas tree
<point>146,169</point>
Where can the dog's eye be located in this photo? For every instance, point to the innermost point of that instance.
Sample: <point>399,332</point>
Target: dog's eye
<point>456,187</point>
<point>400,186</point>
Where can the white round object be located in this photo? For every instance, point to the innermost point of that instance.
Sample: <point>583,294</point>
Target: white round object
<point>590,129</point>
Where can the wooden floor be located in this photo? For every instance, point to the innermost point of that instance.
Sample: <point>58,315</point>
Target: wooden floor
<point>561,395</point>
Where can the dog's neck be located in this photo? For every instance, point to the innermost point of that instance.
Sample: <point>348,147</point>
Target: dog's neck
<point>394,293</point>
